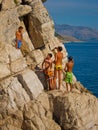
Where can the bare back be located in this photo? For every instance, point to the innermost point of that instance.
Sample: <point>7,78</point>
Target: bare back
<point>58,58</point>
<point>69,66</point>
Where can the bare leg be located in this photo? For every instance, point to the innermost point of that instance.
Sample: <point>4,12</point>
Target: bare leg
<point>71,86</point>
<point>53,85</point>
<point>50,84</point>
<point>55,77</point>
<point>59,78</point>
<point>67,87</point>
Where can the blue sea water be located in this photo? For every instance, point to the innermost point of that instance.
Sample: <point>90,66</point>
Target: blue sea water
<point>86,64</point>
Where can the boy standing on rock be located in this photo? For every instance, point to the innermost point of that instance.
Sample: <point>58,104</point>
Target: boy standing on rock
<point>47,68</point>
<point>58,66</point>
<point>69,74</point>
<point>19,37</point>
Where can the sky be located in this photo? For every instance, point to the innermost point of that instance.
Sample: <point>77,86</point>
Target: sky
<point>74,12</point>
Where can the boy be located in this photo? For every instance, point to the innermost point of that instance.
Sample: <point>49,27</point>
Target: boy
<point>58,66</point>
<point>19,37</point>
<point>69,74</point>
<point>47,68</point>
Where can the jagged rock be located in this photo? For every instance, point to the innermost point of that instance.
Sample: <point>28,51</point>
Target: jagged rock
<point>30,82</point>
<point>76,110</point>
<point>13,94</point>
<point>40,26</point>
<point>4,70</point>
<point>23,10</point>
<point>27,38</point>
<point>6,5</point>
<point>9,23</point>
<point>38,56</point>
<point>35,114</point>
<point>11,61</point>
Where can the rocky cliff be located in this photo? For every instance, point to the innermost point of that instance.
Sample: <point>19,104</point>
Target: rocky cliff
<point>23,103</point>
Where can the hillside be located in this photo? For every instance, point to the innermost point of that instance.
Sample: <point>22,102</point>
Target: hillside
<point>82,33</point>
<point>66,38</point>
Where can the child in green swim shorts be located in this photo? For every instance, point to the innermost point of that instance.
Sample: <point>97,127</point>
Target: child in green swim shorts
<point>69,75</point>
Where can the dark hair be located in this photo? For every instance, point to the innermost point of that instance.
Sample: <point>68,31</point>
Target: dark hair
<point>70,58</point>
<point>50,55</point>
<point>20,28</point>
<point>60,48</point>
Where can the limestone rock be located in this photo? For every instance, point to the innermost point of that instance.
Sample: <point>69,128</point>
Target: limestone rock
<point>9,23</point>
<point>13,94</point>
<point>4,70</point>
<point>75,111</point>
<point>11,61</point>
<point>23,10</point>
<point>35,115</point>
<point>38,56</point>
<point>6,5</point>
<point>30,82</point>
<point>41,26</point>
<point>27,38</point>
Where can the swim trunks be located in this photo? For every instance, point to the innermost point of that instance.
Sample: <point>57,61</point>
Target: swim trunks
<point>58,67</point>
<point>69,77</point>
<point>19,43</point>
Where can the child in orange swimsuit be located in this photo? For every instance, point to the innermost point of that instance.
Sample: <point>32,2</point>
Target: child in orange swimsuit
<point>47,68</point>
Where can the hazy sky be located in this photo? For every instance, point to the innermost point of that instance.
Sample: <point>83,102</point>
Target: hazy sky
<point>74,12</point>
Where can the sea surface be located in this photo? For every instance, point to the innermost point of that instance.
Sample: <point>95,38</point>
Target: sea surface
<point>86,64</point>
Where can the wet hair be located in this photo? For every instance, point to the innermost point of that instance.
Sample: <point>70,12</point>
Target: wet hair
<point>50,55</point>
<point>60,48</point>
<point>20,28</point>
<point>70,58</point>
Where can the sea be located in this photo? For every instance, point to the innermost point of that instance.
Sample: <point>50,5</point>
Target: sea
<point>86,63</point>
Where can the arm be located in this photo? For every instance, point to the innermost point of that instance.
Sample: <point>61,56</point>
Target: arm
<point>65,69</point>
<point>43,64</point>
<point>55,58</point>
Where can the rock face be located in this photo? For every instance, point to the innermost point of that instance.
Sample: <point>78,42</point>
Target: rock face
<point>11,61</point>
<point>23,103</point>
<point>76,110</point>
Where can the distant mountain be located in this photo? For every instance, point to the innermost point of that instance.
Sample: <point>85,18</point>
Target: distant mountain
<point>79,32</point>
<point>66,38</point>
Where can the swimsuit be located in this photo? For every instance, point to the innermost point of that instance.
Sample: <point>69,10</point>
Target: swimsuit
<point>19,43</point>
<point>58,67</point>
<point>50,73</point>
<point>69,77</point>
